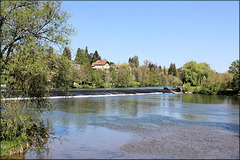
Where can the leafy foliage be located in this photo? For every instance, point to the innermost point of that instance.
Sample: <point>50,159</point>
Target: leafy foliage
<point>194,73</point>
<point>67,53</point>
<point>82,58</point>
<point>133,62</point>
<point>27,71</point>
<point>95,57</point>
<point>235,71</point>
<point>172,69</point>
<point>63,77</point>
<point>41,22</point>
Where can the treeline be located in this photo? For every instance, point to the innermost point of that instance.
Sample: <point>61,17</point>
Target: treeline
<point>32,71</point>
<point>194,77</point>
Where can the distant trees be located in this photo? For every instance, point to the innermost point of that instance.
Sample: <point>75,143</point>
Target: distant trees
<point>133,62</point>
<point>95,57</point>
<point>234,70</point>
<point>164,70</point>
<point>172,69</point>
<point>67,53</point>
<point>82,57</point>
<point>194,73</point>
<point>200,78</point>
<point>63,77</point>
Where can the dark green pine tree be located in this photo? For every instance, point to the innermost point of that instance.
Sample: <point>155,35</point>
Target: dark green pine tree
<point>67,53</point>
<point>86,50</point>
<point>164,70</point>
<point>172,69</point>
<point>133,62</point>
<point>96,56</point>
<point>160,68</point>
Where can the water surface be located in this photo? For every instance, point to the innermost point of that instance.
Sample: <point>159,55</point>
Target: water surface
<point>144,126</point>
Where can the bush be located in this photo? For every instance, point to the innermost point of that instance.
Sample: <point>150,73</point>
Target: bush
<point>134,84</point>
<point>187,87</point>
<point>86,86</point>
<point>197,89</point>
<point>176,82</point>
<point>18,128</point>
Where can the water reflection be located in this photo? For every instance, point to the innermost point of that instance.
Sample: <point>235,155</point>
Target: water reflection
<point>209,99</point>
<point>93,124</point>
<point>180,106</point>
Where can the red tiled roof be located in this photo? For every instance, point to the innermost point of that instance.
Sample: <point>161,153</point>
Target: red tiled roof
<point>100,63</point>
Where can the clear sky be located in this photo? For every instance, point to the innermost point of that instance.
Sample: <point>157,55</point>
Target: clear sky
<point>158,31</point>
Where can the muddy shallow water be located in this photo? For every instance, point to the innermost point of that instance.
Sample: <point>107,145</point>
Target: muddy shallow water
<point>144,126</point>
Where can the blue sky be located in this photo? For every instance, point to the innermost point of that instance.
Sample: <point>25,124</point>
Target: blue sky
<point>158,31</point>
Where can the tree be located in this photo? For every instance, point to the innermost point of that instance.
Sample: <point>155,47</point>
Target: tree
<point>42,22</point>
<point>63,77</point>
<point>143,75</point>
<point>27,71</point>
<point>153,79</point>
<point>99,78</point>
<point>172,69</point>
<point>160,68</point>
<point>164,70</point>
<point>194,72</point>
<point>124,76</point>
<point>67,53</point>
<point>176,82</point>
<point>86,50</point>
<point>133,62</point>
<point>82,57</point>
<point>50,50</point>
<point>163,80</point>
<point>96,56</point>
<point>234,70</point>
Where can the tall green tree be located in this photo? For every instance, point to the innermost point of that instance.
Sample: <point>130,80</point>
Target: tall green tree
<point>234,70</point>
<point>124,76</point>
<point>160,68</point>
<point>194,73</point>
<point>41,22</point>
<point>86,50</point>
<point>82,57</point>
<point>143,75</point>
<point>172,69</point>
<point>63,77</point>
<point>27,71</point>
<point>164,70</point>
<point>96,56</point>
<point>67,53</point>
<point>133,62</point>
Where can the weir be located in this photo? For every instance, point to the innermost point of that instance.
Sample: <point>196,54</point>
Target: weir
<point>95,92</point>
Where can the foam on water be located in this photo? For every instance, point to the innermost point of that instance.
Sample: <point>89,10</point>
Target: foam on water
<point>84,96</point>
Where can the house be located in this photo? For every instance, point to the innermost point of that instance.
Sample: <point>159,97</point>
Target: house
<point>101,64</point>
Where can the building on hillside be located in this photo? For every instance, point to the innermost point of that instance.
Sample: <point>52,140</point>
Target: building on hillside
<point>101,64</point>
<point>76,66</point>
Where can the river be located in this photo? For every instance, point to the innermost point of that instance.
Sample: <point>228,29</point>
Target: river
<point>142,126</point>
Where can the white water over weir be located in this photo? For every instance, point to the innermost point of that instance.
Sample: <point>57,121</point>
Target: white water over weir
<point>55,94</point>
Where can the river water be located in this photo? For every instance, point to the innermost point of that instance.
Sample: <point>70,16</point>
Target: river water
<point>143,126</point>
